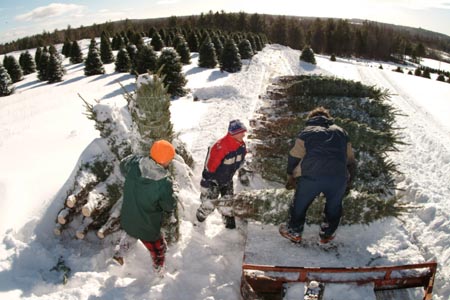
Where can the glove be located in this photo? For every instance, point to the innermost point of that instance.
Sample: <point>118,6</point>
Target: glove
<point>208,183</point>
<point>291,182</point>
<point>351,168</point>
<point>243,176</point>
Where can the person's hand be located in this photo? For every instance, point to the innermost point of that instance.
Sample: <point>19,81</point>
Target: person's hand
<point>290,183</point>
<point>207,183</point>
<point>243,176</point>
<point>348,188</point>
<point>351,175</point>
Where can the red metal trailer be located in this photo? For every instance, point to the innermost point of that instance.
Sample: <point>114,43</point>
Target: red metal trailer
<point>267,282</point>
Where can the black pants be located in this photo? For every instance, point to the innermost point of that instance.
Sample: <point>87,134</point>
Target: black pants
<point>213,193</point>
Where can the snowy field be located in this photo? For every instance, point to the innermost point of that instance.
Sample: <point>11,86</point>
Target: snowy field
<point>44,135</point>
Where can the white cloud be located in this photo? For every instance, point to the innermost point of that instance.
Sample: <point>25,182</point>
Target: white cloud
<point>51,10</point>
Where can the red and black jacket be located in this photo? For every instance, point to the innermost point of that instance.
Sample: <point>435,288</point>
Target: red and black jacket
<point>223,160</point>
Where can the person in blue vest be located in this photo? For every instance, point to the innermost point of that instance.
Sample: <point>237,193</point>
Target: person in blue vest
<point>321,161</point>
<point>224,158</point>
<point>147,193</point>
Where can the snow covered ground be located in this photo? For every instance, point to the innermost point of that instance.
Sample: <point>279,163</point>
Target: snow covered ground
<point>44,135</point>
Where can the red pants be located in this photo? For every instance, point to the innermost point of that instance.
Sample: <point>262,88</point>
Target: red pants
<point>157,251</point>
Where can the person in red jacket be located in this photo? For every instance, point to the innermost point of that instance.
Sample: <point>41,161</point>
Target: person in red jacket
<point>224,158</point>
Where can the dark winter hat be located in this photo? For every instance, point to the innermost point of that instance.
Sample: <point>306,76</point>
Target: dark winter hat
<point>236,126</point>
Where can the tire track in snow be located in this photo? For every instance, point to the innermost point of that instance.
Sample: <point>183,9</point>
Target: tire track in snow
<point>237,97</point>
<point>248,85</point>
<point>425,164</point>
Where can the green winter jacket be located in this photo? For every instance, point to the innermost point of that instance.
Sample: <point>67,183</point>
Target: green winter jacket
<point>147,193</point>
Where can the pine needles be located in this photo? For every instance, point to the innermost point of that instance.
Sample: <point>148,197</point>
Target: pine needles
<point>363,111</point>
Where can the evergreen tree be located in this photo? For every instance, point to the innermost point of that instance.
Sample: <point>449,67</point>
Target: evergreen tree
<point>13,68</point>
<point>441,77</point>
<point>43,64</point>
<point>183,50</point>
<point>171,69</point>
<point>28,65</point>
<point>145,60</point>
<point>92,45</point>
<point>136,39</point>
<point>132,52</point>
<point>6,87</point>
<point>245,49</point>
<point>37,56</point>
<point>418,72</point>
<point>231,59</point>
<point>426,74</point>
<point>317,39</point>
<point>117,41</point>
<point>157,42</point>
<point>168,41</point>
<point>308,55</point>
<point>278,32</point>
<point>162,33</point>
<point>5,61</point>
<point>207,55</point>
<point>52,50</point>
<point>398,70</point>
<point>150,113</point>
<point>106,53</point>
<point>256,23</point>
<point>139,42</point>
<point>55,70</point>
<point>151,32</point>
<point>67,47</point>
<point>296,36</point>
<point>21,60</point>
<point>93,63</point>
<point>192,41</point>
<point>259,43</point>
<point>420,50</point>
<point>123,61</point>
<point>251,38</point>
<point>76,56</point>
<point>218,46</point>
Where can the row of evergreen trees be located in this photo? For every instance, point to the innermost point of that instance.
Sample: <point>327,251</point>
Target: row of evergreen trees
<point>426,73</point>
<point>138,57</point>
<point>48,63</point>
<point>327,36</point>
<point>307,55</point>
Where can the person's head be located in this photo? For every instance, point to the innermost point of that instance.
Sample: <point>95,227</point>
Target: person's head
<point>319,111</point>
<point>237,129</point>
<point>162,152</point>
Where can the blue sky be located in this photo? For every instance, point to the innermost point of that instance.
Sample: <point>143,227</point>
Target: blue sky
<point>20,18</point>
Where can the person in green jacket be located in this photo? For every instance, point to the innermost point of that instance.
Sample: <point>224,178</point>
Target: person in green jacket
<point>147,193</point>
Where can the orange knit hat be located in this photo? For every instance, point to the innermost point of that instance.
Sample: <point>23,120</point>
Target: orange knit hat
<point>162,152</point>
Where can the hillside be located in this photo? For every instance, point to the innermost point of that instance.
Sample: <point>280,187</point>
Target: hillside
<point>45,136</point>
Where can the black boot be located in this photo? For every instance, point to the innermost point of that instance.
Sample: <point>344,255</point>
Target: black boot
<point>200,216</point>
<point>230,222</point>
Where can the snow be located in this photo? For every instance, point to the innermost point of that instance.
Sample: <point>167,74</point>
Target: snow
<point>45,136</point>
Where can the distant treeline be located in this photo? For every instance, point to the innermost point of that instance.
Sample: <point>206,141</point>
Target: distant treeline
<point>340,37</point>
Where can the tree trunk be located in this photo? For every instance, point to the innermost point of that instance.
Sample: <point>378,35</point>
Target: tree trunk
<point>113,223</point>
<point>95,204</point>
<point>65,215</point>
<point>80,195</point>
<point>83,228</point>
